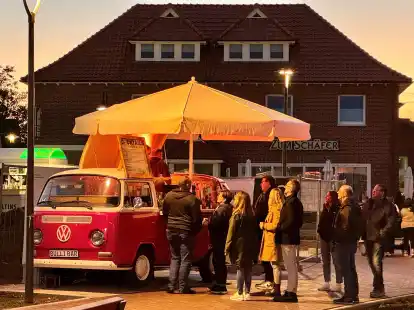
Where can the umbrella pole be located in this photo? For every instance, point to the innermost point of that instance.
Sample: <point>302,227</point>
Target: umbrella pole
<point>191,156</point>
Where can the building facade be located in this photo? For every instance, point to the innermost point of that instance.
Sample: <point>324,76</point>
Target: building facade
<point>349,98</point>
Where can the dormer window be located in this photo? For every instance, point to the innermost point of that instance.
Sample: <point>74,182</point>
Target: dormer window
<point>167,51</point>
<point>147,51</point>
<point>276,51</point>
<point>187,51</point>
<point>235,51</point>
<point>256,51</point>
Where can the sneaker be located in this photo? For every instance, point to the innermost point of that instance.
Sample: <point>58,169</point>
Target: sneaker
<point>377,294</point>
<point>237,297</point>
<point>218,290</point>
<point>188,291</point>
<point>265,286</point>
<point>246,297</point>
<point>325,288</point>
<point>337,289</point>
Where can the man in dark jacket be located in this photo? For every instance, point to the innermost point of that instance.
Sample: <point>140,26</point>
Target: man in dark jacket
<point>261,209</point>
<point>379,216</point>
<point>288,236</point>
<point>182,208</point>
<point>218,227</point>
<point>346,235</point>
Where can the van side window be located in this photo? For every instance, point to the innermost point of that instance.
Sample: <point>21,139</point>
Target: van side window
<point>138,195</point>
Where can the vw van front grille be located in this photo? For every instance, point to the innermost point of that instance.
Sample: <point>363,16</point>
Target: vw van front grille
<point>59,219</point>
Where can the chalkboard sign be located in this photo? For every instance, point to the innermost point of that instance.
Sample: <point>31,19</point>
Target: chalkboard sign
<point>134,155</point>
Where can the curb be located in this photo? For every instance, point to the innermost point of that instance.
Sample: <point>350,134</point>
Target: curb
<point>371,303</point>
<point>52,304</point>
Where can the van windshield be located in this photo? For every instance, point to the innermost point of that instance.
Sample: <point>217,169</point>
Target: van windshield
<point>81,191</point>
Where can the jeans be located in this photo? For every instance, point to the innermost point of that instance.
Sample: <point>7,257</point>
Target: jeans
<point>219,263</point>
<point>290,260</point>
<point>244,279</point>
<point>181,246</point>
<point>345,256</point>
<point>375,255</point>
<point>327,251</point>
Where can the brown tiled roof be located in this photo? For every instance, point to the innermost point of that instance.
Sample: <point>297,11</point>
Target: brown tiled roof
<point>322,53</point>
<point>168,29</point>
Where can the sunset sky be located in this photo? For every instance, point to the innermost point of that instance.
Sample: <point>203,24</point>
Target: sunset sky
<point>383,28</point>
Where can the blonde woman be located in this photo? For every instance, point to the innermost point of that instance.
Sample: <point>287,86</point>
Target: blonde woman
<point>241,244</point>
<point>269,251</point>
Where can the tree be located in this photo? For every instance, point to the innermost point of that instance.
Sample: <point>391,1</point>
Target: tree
<point>13,108</point>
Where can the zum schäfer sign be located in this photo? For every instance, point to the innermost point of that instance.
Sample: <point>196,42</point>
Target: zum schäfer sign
<point>310,145</point>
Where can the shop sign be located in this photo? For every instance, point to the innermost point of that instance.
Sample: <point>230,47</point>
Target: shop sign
<point>134,156</point>
<point>310,145</point>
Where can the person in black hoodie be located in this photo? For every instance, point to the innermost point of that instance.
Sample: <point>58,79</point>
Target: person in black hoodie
<point>325,231</point>
<point>182,208</point>
<point>218,227</point>
<point>261,209</point>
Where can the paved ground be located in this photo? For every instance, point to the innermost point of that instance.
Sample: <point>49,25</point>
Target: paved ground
<point>399,278</point>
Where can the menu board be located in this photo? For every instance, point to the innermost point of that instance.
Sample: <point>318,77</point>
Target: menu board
<point>134,155</point>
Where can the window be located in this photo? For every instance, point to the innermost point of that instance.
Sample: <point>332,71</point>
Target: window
<point>276,102</point>
<point>187,51</point>
<point>83,191</point>
<point>167,51</point>
<point>351,110</point>
<point>236,51</point>
<point>138,195</point>
<point>147,51</point>
<point>256,51</point>
<point>276,51</point>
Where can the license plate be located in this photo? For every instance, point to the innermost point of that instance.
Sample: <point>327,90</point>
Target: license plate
<point>63,253</point>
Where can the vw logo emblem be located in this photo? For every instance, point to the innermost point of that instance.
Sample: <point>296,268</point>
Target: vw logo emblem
<point>63,233</point>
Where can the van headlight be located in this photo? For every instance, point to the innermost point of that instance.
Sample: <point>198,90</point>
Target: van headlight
<point>97,238</point>
<point>37,236</point>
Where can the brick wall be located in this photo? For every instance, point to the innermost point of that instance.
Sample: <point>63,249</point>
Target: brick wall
<point>317,104</point>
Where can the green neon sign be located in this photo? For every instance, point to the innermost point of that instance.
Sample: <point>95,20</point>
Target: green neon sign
<point>45,153</point>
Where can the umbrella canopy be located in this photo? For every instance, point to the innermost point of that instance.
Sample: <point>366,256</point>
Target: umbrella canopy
<point>407,111</point>
<point>194,109</point>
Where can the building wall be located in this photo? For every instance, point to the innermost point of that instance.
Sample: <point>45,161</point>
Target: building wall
<point>374,143</point>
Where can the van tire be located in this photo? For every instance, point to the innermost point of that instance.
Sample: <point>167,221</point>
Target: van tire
<point>205,268</point>
<point>143,268</point>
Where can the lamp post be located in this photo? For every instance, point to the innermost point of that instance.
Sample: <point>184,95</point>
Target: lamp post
<point>28,296</point>
<point>286,74</point>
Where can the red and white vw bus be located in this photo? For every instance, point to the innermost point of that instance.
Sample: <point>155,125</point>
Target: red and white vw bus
<point>98,219</point>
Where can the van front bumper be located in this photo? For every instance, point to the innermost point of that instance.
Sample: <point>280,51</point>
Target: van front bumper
<point>77,264</point>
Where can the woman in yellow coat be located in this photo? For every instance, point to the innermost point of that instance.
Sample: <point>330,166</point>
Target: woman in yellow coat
<point>269,251</point>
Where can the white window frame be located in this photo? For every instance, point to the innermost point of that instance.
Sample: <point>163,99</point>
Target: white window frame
<point>304,165</point>
<point>279,95</point>
<point>250,50</point>
<point>258,12</point>
<point>177,51</point>
<point>216,164</point>
<point>266,51</point>
<point>234,59</point>
<point>143,209</point>
<point>182,50</point>
<point>344,123</point>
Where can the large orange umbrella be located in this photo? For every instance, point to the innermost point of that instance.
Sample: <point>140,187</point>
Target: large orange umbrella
<point>192,109</point>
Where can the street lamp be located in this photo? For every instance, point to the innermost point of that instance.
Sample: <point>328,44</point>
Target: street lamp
<point>28,289</point>
<point>11,137</point>
<point>287,75</point>
<point>101,108</point>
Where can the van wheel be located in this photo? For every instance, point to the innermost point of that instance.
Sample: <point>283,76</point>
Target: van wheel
<point>144,267</point>
<point>206,268</point>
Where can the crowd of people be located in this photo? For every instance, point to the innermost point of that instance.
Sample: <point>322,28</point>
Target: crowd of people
<point>267,231</point>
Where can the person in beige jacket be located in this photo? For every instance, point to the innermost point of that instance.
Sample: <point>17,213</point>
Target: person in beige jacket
<point>407,225</point>
<point>269,251</point>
